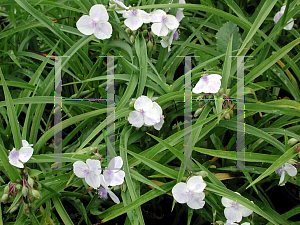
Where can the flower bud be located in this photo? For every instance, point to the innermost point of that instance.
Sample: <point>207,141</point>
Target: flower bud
<point>6,189</point>
<point>231,113</point>
<point>112,6</point>
<point>14,208</point>
<point>154,48</point>
<point>131,104</point>
<point>4,197</point>
<point>134,32</point>
<point>212,103</point>
<point>201,103</point>
<point>227,116</point>
<point>292,141</point>
<point>221,91</point>
<point>198,111</point>
<point>38,186</point>
<point>201,173</point>
<point>144,129</point>
<point>149,45</point>
<point>145,33</point>
<point>128,31</point>
<point>24,191</point>
<point>227,91</point>
<point>144,27</point>
<point>30,181</point>
<point>36,194</point>
<point>26,209</point>
<point>18,186</point>
<point>292,161</point>
<point>96,156</point>
<point>132,38</point>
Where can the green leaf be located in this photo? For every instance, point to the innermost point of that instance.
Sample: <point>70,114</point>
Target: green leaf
<point>224,35</point>
<point>61,211</point>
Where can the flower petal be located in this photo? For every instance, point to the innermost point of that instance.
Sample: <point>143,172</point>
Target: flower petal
<point>179,192</point>
<point>146,17</point>
<point>157,15</point>
<point>226,202</point>
<point>290,24</point>
<point>102,182</point>
<point>232,214</point>
<point>196,184</point>
<point>13,158</point>
<point>157,107</point>
<point>200,87</point>
<point>93,180</point>
<point>118,178</point>
<point>94,165</point>
<point>85,25</point>
<point>113,196</point>
<point>103,30</point>
<point>144,103</point>
<point>136,119</point>
<point>291,170</point>
<point>172,22</point>
<point>151,117</point>
<point>158,126</point>
<point>179,15</point>
<point>196,201</point>
<point>159,29</point>
<point>116,163</point>
<point>133,23</point>
<point>213,87</point>
<point>26,144</point>
<point>277,16</point>
<point>25,153</point>
<point>213,77</point>
<point>98,13</point>
<point>244,211</point>
<point>79,167</point>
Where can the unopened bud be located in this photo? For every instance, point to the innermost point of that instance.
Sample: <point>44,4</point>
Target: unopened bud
<point>112,6</point>
<point>231,113</point>
<point>144,129</point>
<point>38,186</point>
<point>198,111</point>
<point>6,189</point>
<point>145,33</point>
<point>132,38</point>
<point>144,27</point>
<point>227,116</point>
<point>227,91</point>
<point>134,32</point>
<point>18,186</point>
<point>212,103</point>
<point>96,156</point>
<point>221,91</point>
<point>219,222</point>
<point>131,104</point>
<point>128,31</point>
<point>36,194</point>
<point>201,103</point>
<point>201,173</point>
<point>30,181</point>
<point>14,208</point>
<point>292,161</point>
<point>4,197</point>
<point>149,45</point>
<point>292,141</point>
<point>24,191</point>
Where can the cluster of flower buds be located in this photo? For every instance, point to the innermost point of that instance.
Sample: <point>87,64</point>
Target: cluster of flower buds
<point>27,192</point>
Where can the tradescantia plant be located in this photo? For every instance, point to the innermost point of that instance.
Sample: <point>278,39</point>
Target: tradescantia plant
<point>141,112</point>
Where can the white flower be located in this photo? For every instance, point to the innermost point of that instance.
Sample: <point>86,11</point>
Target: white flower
<point>290,169</point>
<point>90,171</point>
<point>136,18</point>
<point>208,84</point>
<point>145,113</point>
<point>235,211</point>
<point>163,23</point>
<point>190,192</point>
<point>103,191</point>
<point>96,23</point>
<point>17,158</point>
<point>179,14</point>
<point>231,223</point>
<point>119,4</point>
<point>278,15</point>
<point>112,174</point>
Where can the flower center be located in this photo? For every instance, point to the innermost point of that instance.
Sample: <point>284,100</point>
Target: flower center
<point>164,19</point>
<point>86,171</point>
<point>142,111</point>
<point>102,193</point>
<point>15,154</point>
<point>235,205</point>
<point>94,23</point>
<point>190,193</point>
<point>109,172</point>
<point>176,35</point>
<point>134,12</point>
<point>279,170</point>
<point>205,78</point>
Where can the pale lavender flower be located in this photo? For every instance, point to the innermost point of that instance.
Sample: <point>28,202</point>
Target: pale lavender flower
<point>190,192</point>
<point>135,18</point>
<point>103,191</point>
<point>163,23</point>
<point>90,171</point>
<point>278,15</point>
<point>234,212</point>
<point>113,175</point>
<point>208,84</point>
<point>144,113</point>
<point>17,158</point>
<point>287,168</point>
<point>96,23</point>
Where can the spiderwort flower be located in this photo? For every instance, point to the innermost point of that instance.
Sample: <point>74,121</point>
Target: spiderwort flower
<point>290,169</point>
<point>112,174</point>
<point>17,158</point>
<point>90,171</point>
<point>190,192</point>
<point>163,23</point>
<point>144,113</point>
<point>279,14</point>
<point>119,4</point>
<point>231,223</point>
<point>234,212</point>
<point>96,23</point>
<point>135,18</point>
<point>103,191</point>
<point>208,84</point>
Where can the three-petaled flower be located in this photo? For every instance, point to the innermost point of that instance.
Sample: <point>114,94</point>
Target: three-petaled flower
<point>17,158</point>
<point>104,190</point>
<point>163,23</point>
<point>146,113</point>
<point>90,171</point>
<point>279,14</point>
<point>135,18</point>
<point>96,23</point>
<point>208,84</point>
<point>234,212</point>
<point>190,192</point>
<point>290,169</point>
<point>112,174</point>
